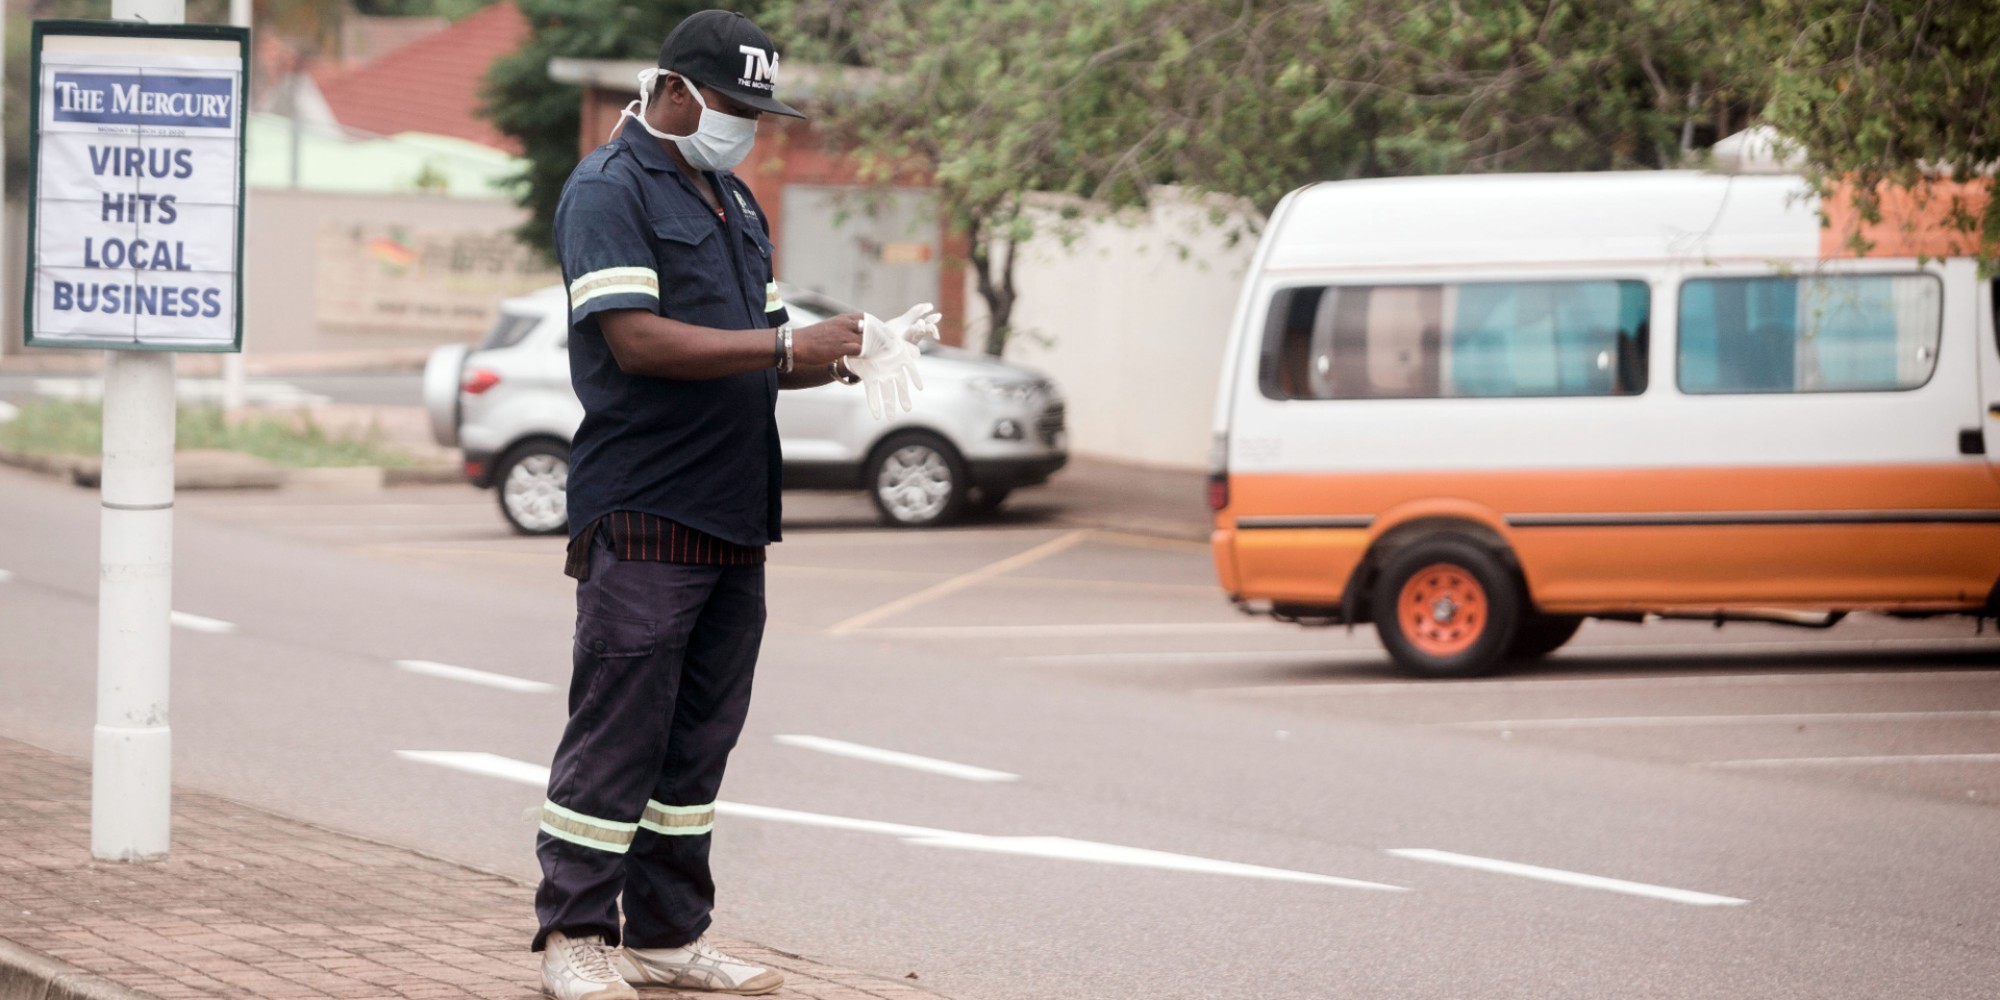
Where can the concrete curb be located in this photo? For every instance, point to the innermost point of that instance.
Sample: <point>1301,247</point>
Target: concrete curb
<point>199,470</point>
<point>26,974</point>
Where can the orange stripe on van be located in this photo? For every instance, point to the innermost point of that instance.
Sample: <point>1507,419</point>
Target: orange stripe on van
<point>1897,562</point>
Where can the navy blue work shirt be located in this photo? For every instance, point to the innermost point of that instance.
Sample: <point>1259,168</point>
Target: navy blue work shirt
<point>632,233</point>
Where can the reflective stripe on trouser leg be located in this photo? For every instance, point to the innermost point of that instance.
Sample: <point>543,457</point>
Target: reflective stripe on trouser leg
<point>678,821</point>
<point>587,831</point>
<point>668,889</point>
<point>634,620</point>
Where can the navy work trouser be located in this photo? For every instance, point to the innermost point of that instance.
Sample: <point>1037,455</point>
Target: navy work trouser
<point>663,659</point>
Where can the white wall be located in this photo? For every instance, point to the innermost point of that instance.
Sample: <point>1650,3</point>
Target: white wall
<point>1131,320</point>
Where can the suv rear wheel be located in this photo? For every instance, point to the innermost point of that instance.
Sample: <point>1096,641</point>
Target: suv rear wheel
<point>917,480</point>
<point>532,480</point>
<point>1445,607</point>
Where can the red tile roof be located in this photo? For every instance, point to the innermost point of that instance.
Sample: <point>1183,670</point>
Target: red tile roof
<point>431,84</point>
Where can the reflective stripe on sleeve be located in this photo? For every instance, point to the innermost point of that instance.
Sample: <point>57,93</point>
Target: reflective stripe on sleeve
<point>614,281</point>
<point>587,831</point>
<point>772,300</point>
<point>678,821</point>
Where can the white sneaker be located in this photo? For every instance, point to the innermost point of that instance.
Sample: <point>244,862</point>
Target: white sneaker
<point>696,966</point>
<point>580,969</point>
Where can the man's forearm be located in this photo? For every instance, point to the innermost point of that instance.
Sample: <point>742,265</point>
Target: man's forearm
<point>644,343</point>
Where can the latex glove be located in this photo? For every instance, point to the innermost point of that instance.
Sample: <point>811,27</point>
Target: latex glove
<point>916,325</point>
<point>887,363</point>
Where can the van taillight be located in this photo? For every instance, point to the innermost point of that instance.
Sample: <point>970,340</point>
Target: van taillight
<point>1218,491</point>
<point>479,380</point>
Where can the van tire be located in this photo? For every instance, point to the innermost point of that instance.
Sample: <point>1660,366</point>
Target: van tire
<point>1445,606</point>
<point>1539,635</point>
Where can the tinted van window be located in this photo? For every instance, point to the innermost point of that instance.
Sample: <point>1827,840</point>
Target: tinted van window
<point>1523,338</point>
<point>1835,333</point>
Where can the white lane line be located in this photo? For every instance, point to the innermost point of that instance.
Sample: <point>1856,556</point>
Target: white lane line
<point>894,758</point>
<point>958,583</point>
<point>1601,683</point>
<point>485,764</point>
<point>1059,848</point>
<point>1561,877</point>
<point>196,623</point>
<point>5,575</point>
<point>1074,631</point>
<point>1209,656</point>
<point>1915,758</point>
<point>431,668</point>
<point>1649,721</point>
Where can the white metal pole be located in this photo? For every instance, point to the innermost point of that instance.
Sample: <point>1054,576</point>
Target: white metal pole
<point>131,776</point>
<point>232,363</point>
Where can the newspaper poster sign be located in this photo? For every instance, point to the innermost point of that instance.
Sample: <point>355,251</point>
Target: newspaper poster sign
<point>136,186</point>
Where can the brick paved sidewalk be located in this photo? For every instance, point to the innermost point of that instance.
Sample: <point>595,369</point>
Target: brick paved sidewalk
<point>254,905</point>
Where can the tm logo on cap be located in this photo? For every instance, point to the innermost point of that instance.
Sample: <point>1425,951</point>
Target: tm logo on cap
<point>759,66</point>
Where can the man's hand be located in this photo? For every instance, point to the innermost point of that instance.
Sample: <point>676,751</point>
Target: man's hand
<point>823,343</point>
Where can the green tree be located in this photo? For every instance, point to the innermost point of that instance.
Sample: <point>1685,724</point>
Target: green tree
<point>1253,98</point>
<point>1895,94</point>
<point>545,116</point>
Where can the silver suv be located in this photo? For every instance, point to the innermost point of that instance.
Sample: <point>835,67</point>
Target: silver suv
<point>981,427</point>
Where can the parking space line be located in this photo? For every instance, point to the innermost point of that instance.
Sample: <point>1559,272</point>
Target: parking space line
<point>1599,683</point>
<point>894,758</point>
<point>486,764</point>
<point>1560,877</point>
<point>430,668</point>
<point>958,583</point>
<point>1060,848</point>
<point>1206,656</point>
<point>6,575</point>
<point>1068,631</point>
<point>196,623</point>
<point>1649,721</point>
<point>1915,758</point>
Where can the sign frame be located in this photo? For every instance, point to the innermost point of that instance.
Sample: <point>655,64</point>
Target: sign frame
<point>128,29</point>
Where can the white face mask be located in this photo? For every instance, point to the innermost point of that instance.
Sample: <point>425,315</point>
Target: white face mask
<point>719,142</point>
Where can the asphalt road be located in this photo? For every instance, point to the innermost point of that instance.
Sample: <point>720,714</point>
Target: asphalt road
<point>1164,799</point>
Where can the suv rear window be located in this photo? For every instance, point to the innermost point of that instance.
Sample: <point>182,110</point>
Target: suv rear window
<point>508,330</point>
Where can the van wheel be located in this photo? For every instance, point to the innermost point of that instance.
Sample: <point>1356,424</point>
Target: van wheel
<point>533,481</point>
<point>1540,635</point>
<point>917,480</point>
<point>1445,607</point>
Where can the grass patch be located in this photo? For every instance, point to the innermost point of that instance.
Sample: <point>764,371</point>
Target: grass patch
<point>68,427</point>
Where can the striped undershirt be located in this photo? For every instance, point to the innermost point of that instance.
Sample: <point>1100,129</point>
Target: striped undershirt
<point>632,534</point>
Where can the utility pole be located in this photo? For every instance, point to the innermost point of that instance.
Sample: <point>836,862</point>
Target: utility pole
<point>131,766</point>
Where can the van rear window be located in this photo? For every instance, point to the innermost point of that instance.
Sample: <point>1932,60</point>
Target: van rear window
<point>1825,333</point>
<point>1518,338</point>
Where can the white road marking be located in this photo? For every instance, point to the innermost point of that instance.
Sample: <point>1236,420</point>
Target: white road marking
<point>1599,683</point>
<point>6,575</point>
<point>486,764</point>
<point>1209,656</point>
<point>1061,848</point>
<point>958,583</point>
<point>1561,877</point>
<point>893,758</point>
<point>1649,721</point>
<point>1915,758</point>
<point>1072,631</point>
<point>196,623</point>
<point>470,676</point>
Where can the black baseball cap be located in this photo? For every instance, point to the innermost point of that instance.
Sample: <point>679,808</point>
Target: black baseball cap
<point>723,50</point>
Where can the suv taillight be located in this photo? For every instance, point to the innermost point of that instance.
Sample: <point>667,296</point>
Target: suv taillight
<point>1218,471</point>
<point>479,380</point>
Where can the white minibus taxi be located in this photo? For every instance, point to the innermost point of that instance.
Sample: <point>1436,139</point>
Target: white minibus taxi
<point>1478,410</point>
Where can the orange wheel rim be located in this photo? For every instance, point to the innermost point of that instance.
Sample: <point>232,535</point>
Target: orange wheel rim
<point>1442,610</point>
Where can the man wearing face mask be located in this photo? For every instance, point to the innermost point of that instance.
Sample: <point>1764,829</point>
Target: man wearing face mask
<point>678,347</point>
